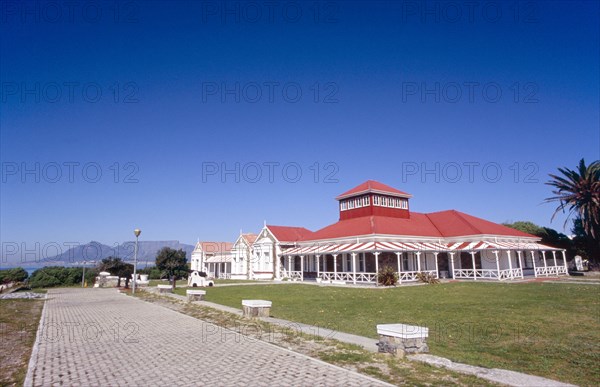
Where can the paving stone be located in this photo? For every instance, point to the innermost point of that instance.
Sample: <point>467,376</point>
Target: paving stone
<point>100,337</point>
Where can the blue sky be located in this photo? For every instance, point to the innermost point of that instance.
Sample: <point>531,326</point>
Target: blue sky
<point>126,116</point>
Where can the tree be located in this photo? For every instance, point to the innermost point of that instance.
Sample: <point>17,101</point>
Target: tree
<point>116,266</point>
<point>528,227</point>
<point>579,192</point>
<point>17,274</point>
<point>172,263</point>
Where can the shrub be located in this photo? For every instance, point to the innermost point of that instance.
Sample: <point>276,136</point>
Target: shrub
<point>52,276</point>
<point>17,274</point>
<point>153,272</point>
<point>387,276</point>
<point>427,278</point>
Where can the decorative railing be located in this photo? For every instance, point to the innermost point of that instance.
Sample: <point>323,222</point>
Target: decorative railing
<point>347,277</point>
<point>550,270</point>
<point>366,277</point>
<point>477,273</point>
<point>510,273</point>
<point>295,275</point>
<point>518,272</point>
<point>412,275</point>
<point>463,273</point>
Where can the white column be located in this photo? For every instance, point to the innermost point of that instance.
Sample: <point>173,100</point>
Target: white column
<point>354,268</point>
<point>318,267</point>
<point>554,257</point>
<point>520,263</point>
<point>335,265</point>
<point>497,264</point>
<point>399,267</point>
<point>545,264</point>
<point>474,269</point>
<point>564,254</point>
<point>533,260</point>
<point>510,264</point>
<point>376,266</point>
<point>452,264</point>
<point>418,254</point>
<point>289,265</point>
<point>302,268</point>
<point>277,268</point>
<point>437,272</point>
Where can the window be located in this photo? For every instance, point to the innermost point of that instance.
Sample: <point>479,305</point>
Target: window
<point>376,200</point>
<point>367,201</point>
<point>361,262</point>
<point>350,204</point>
<point>344,205</point>
<point>357,203</point>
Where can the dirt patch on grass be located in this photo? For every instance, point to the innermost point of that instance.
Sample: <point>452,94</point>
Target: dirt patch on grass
<point>19,319</point>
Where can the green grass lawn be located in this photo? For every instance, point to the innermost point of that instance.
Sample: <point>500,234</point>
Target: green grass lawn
<point>234,281</point>
<point>546,329</point>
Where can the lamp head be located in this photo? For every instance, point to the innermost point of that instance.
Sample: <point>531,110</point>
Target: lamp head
<point>137,232</point>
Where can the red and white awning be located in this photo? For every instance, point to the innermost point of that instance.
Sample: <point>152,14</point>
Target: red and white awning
<point>367,246</point>
<point>485,245</point>
<point>333,248</point>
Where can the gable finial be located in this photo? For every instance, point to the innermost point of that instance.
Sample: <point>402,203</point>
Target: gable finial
<point>265,223</point>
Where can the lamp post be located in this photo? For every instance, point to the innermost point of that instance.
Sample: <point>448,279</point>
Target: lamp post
<point>137,233</point>
<point>83,275</point>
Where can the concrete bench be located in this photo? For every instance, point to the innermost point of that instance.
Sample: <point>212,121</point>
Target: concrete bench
<point>195,295</point>
<point>165,288</point>
<point>400,339</point>
<point>256,308</point>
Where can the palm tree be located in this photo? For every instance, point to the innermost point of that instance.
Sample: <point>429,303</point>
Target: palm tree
<point>579,191</point>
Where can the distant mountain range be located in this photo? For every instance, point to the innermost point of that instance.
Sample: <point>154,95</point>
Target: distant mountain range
<point>96,251</point>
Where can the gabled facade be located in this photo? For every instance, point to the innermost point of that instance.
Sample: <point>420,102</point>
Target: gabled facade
<point>268,247</point>
<point>211,257</point>
<point>242,256</point>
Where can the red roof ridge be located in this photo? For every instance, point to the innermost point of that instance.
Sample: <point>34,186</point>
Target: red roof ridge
<point>373,186</point>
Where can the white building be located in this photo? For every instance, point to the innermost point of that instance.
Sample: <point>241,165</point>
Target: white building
<point>213,258</point>
<point>268,247</point>
<point>242,256</point>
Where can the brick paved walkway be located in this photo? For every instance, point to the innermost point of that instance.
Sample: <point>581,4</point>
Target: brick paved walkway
<point>100,337</point>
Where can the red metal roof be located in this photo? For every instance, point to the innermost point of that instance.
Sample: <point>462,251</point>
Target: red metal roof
<point>373,186</point>
<point>289,234</point>
<point>455,223</point>
<point>442,224</point>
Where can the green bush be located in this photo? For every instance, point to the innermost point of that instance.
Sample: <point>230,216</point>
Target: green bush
<point>427,278</point>
<point>17,274</point>
<point>153,272</point>
<point>387,276</point>
<point>52,276</point>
